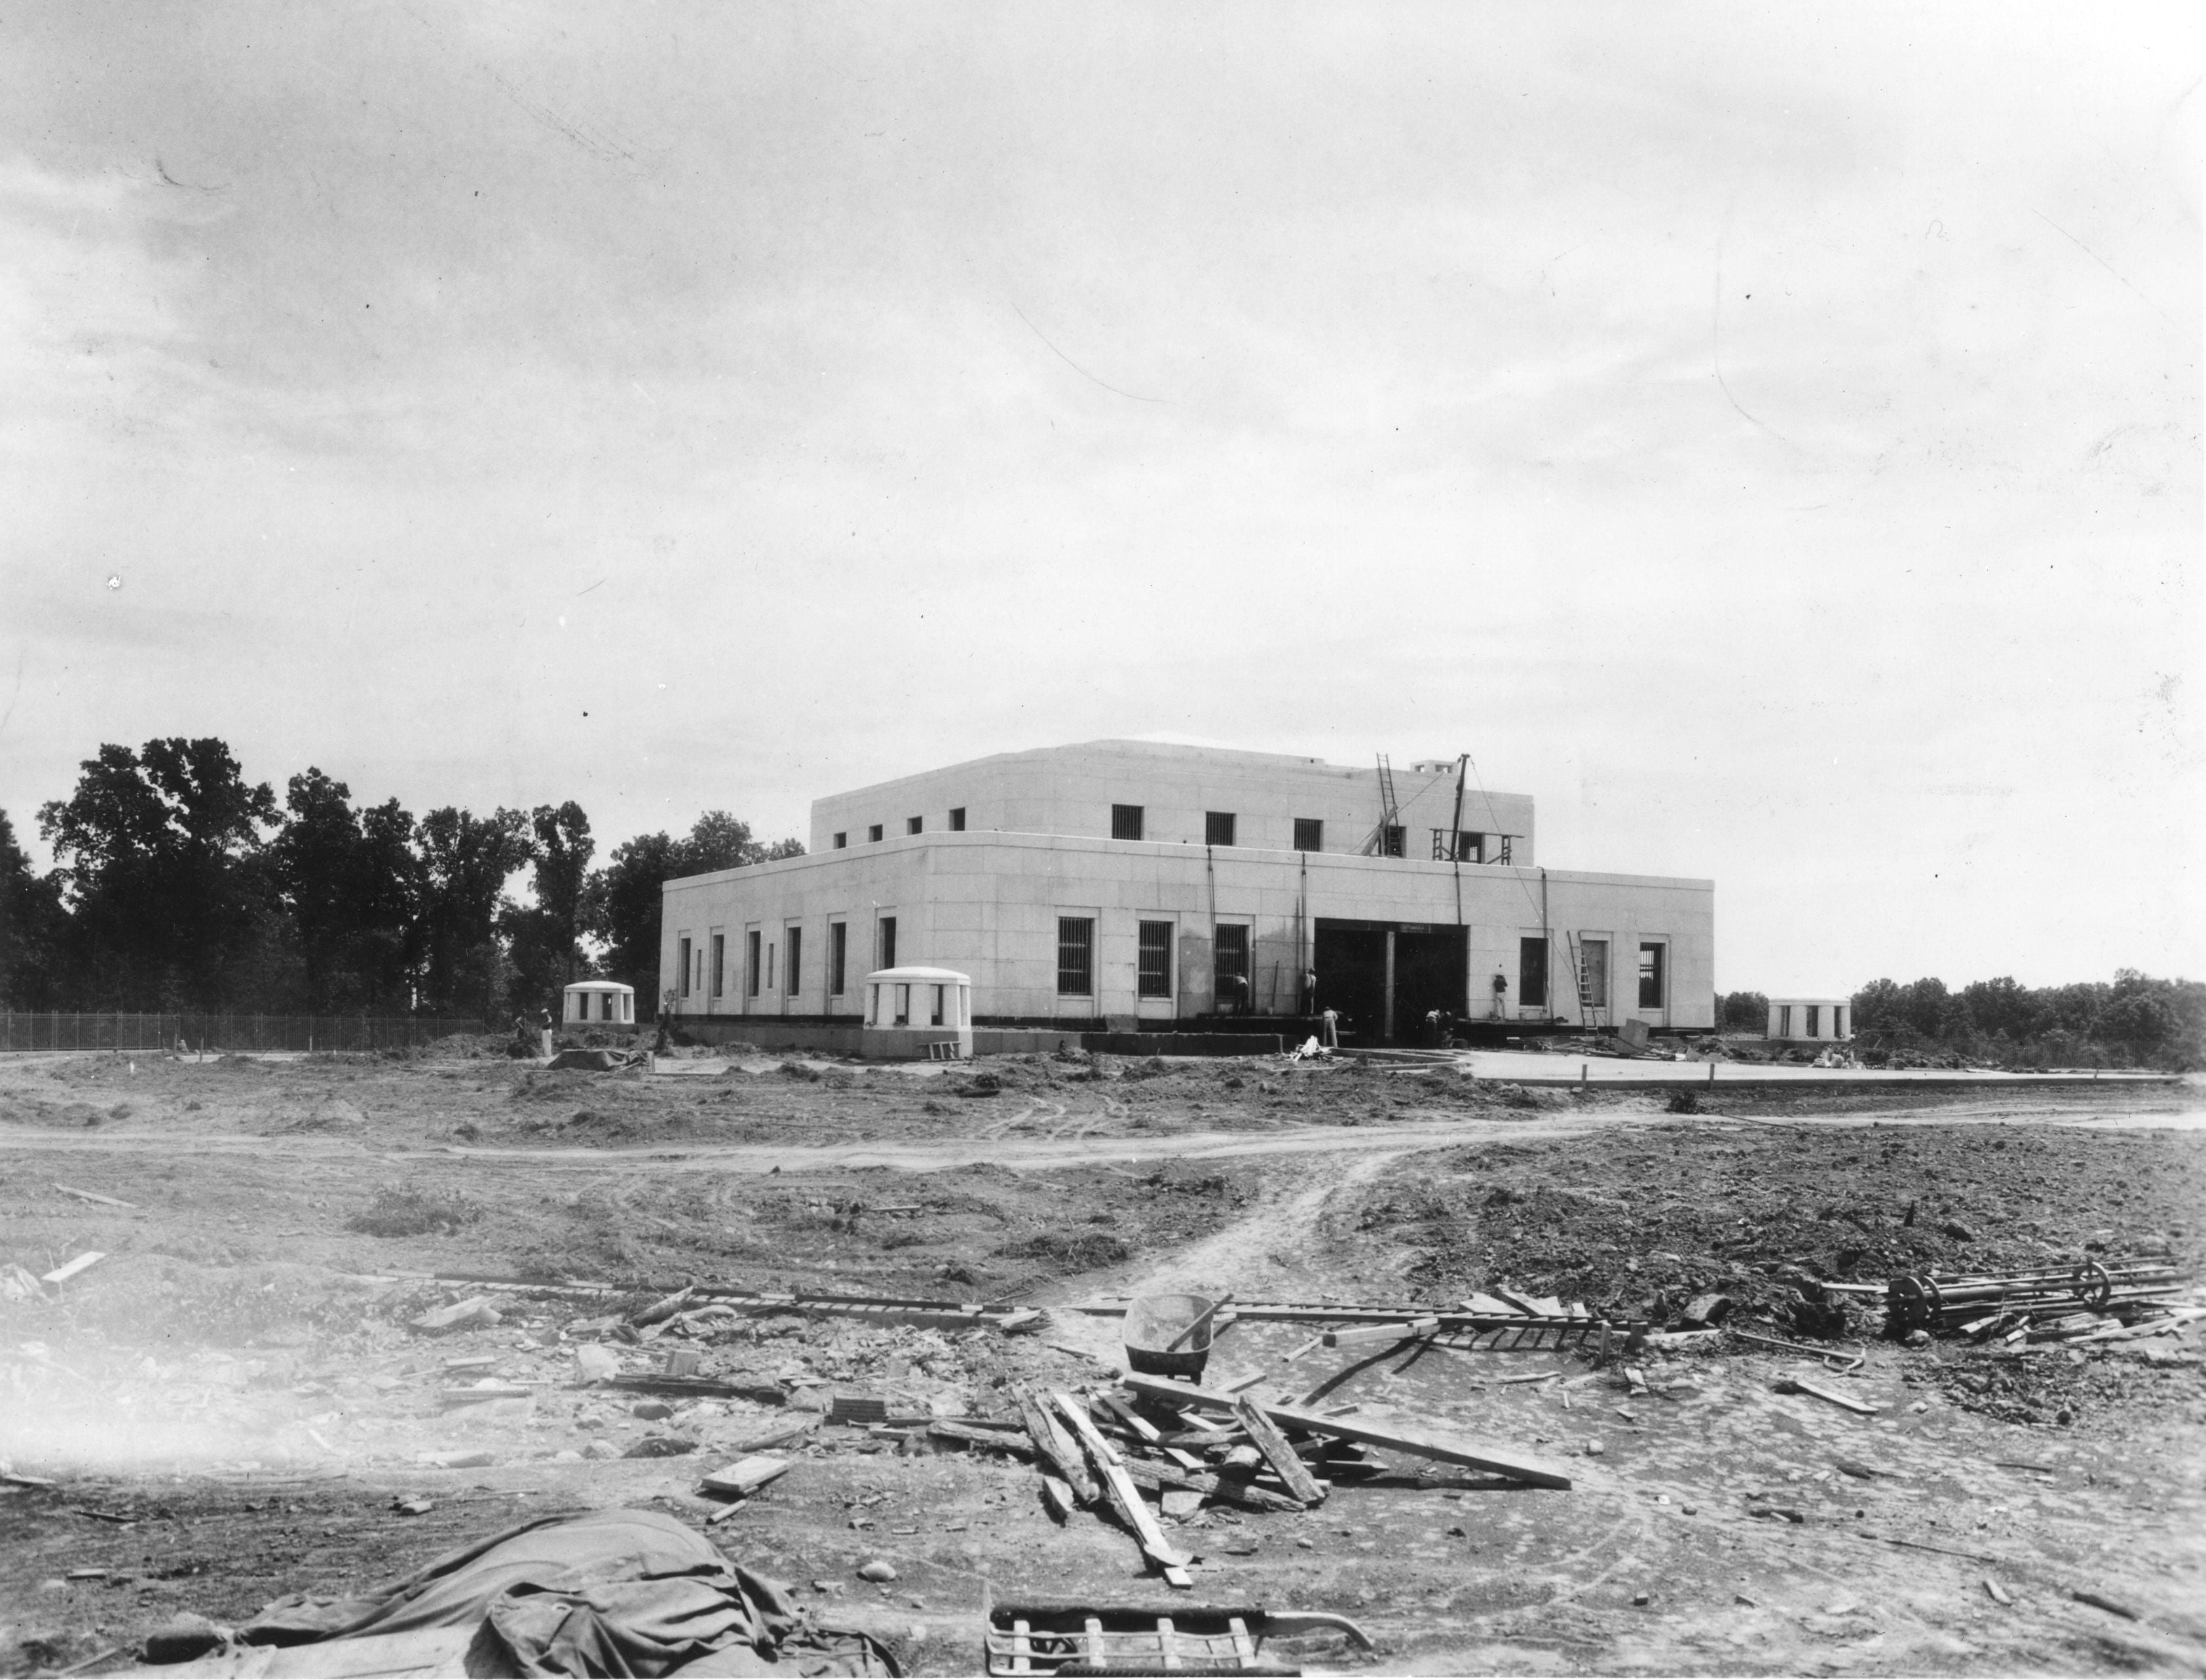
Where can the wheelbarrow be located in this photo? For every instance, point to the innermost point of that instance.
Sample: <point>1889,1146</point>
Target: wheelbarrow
<point>1169,1335</point>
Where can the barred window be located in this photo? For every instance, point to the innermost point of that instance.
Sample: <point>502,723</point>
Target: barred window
<point>1076,957</point>
<point>1217,828</point>
<point>1391,841</point>
<point>1309,834</point>
<point>1126,822</point>
<point>1155,974</point>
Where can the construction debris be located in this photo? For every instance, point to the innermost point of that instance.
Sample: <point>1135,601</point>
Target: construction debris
<point>84,1262</point>
<point>1052,1638</point>
<point>2010,1303</point>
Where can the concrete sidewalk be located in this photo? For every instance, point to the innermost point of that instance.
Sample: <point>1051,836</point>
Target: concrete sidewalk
<point>1525,1067</point>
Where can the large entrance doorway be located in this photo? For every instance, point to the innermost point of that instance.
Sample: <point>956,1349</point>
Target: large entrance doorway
<point>1364,966</point>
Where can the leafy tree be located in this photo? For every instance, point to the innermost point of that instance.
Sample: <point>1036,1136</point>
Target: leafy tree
<point>352,885</point>
<point>32,925</point>
<point>543,939</point>
<point>466,862</point>
<point>1742,1012</point>
<point>623,899</point>
<point>159,859</point>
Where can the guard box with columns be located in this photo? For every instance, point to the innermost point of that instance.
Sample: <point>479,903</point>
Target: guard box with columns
<point>604,1004</point>
<point>914,1013</point>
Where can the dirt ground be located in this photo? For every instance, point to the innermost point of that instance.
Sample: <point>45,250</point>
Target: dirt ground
<point>230,1407</point>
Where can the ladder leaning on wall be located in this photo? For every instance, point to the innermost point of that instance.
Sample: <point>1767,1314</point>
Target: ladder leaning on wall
<point>1593,1012</point>
<point>1390,813</point>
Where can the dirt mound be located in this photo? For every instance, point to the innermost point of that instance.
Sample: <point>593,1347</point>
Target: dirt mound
<point>329,1114</point>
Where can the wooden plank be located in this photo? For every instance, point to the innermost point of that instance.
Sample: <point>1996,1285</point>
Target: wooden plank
<point>1132,1418</point>
<point>84,1262</point>
<point>1001,1440</point>
<point>742,1480</point>
<point>88,1195</point>
<point>1844,1400</point>
<point>1379,1332</point>
<point>1471,1454</point>
<point>1273,1446</point>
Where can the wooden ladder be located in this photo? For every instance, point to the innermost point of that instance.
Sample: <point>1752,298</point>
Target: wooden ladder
<point>1592,1011</point>
<point>1390,812</point>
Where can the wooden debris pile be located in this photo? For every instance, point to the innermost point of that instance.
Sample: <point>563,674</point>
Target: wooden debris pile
<point>1114,1448</point>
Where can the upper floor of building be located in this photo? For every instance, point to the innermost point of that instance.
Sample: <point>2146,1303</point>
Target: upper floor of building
<point>1195,795</point>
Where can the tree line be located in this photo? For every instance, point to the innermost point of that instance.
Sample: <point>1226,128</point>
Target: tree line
<point>178,885</point>
<point>2135,1021</point>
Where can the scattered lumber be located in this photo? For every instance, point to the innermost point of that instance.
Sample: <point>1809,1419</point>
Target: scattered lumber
<point>1056,1451</point>
<point>999,1440</point>
<point>1237,1490</point>
<point>473,1313</point>
<point>710,1388</point>
<point>1418,1443</point>
<point>1125,1497</point>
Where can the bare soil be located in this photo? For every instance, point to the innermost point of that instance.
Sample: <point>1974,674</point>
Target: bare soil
<point>232,1409</point>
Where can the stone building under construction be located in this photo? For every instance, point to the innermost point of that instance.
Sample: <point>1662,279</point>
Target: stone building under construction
<point>1123,886</point>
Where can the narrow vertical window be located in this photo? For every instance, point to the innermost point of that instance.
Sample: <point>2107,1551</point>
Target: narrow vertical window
<point>1784,1021</point>
<point>1154,979</point>
<point>751,964</point>
<point>957,819</point>
<point>1814,1020</point>
<point>719,963</point>
<point>685,968</point>
<point>1652,989</point>
<point>936,1019</point>
<point>1126,822</point>
<point>1076,957</point>
<point>793,970</point>
<point>1532,973</point>
<point>903,1006</point>
<point>1217,828</point>
<point>888,942</point>
<point>838,953</point>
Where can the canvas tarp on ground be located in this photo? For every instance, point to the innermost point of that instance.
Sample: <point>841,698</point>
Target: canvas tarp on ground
<point>606,1593</point>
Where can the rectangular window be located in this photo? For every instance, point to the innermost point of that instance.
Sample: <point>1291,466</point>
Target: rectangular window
<point>719,963</point>
<point>751,963</point>
<point>888,942</point>
<point>793,937</point>
<point>685,967</point>
<point>1155,974</point>
<point>874,831</point>
<point>1229,968</point>
<point>1076,957</point>
<point>1309,834</point>
<point>1391,842</point>
<point>1814,1020</point>
<point>842,839</point>
<point>935,1020</point>
<point>1652,989</point>
<point>1217,828</point>
<point>957,819</point>
<point>1126,822</point>
<point>1532,973</point>
<point>903,1007</point>
<point>1838,1021</point>
<point>1784,1021</point>
<point>839,954</point>
<point>914,824</point>
<point>769,968</point>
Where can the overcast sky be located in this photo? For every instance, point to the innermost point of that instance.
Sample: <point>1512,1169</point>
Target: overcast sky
<point>1767,436</point>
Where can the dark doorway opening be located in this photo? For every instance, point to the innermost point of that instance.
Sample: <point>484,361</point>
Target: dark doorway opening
<point>1430,970</point>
